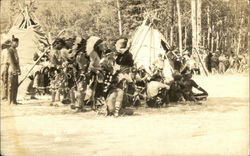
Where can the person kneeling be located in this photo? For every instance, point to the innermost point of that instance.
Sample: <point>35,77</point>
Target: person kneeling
<point>157,93</point>
<point>187,85</point>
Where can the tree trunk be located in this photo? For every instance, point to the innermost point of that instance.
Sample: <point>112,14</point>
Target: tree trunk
<point>217,41</point>
<point>119,18</point>
<point>194,25</point>
<point>179,26</point>
<point>208,28</point>
<point>172,23</point>
<point>225,45</point>
<point>239,39</point>
<point>204,40</point>
<point>171,35</point>
<point>212,41</point>
<point>198,29</point>
<point>185,38</point>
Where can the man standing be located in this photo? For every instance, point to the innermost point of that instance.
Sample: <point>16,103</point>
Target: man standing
<point>214,63</point>
<point>4,69</point>
<point>222,60</point>
<point>14,71</point>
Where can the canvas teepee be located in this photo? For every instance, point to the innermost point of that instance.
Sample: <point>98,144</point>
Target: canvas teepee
<point>147,44</point>
<point>30,34</point>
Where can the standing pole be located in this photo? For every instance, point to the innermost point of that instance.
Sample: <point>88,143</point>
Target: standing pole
<point>119,17</point>
<point>179,25</point>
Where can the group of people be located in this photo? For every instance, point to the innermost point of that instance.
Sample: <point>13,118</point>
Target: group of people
<point>221,63</point>
<point>85,72</point>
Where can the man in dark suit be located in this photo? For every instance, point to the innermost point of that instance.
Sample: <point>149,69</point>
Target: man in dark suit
<point>14,71</point>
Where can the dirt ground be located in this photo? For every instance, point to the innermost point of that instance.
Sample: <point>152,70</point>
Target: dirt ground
<point>220,126</point>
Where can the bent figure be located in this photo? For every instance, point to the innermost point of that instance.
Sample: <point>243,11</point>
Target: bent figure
<point>187,86</point>
<point>157,93</point>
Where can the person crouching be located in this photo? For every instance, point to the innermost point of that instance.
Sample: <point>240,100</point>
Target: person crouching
<point>157,92</point>
<point>187,85</point>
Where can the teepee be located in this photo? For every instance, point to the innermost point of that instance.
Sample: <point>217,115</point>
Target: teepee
<point>147,44</point>
<point>30,34</point>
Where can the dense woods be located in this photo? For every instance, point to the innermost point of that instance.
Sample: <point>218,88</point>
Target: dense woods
<point>223,23</point>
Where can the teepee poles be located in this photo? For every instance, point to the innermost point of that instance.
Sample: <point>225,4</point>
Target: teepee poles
<point>45,51</point>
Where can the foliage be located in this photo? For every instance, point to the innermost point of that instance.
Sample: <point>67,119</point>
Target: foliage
<point>99,17</point>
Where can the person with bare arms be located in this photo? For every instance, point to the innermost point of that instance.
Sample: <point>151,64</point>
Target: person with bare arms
<point>188,84</point>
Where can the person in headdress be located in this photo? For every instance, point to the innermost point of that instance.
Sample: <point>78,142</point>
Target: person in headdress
<point>95,48</point>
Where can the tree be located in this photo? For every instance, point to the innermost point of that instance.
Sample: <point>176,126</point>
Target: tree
<point>179,26</point>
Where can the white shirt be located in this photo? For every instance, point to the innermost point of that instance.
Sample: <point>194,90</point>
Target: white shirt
<point>154,86</point>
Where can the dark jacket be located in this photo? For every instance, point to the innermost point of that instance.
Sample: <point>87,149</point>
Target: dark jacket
<point>13,59</point>
<point>125,59</point>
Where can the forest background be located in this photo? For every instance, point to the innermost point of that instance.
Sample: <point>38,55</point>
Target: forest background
<point>224,23</point>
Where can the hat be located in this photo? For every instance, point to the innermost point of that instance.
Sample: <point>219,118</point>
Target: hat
<point>122,45</point>
<point>14,39</point>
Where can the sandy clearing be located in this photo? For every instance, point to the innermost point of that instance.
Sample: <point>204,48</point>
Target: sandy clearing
<point>218,127</point>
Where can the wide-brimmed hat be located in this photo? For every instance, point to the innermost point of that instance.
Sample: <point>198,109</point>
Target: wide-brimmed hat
<point>122,45</point>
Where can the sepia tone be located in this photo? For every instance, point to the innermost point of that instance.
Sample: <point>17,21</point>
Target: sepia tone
<point>86,98</point>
